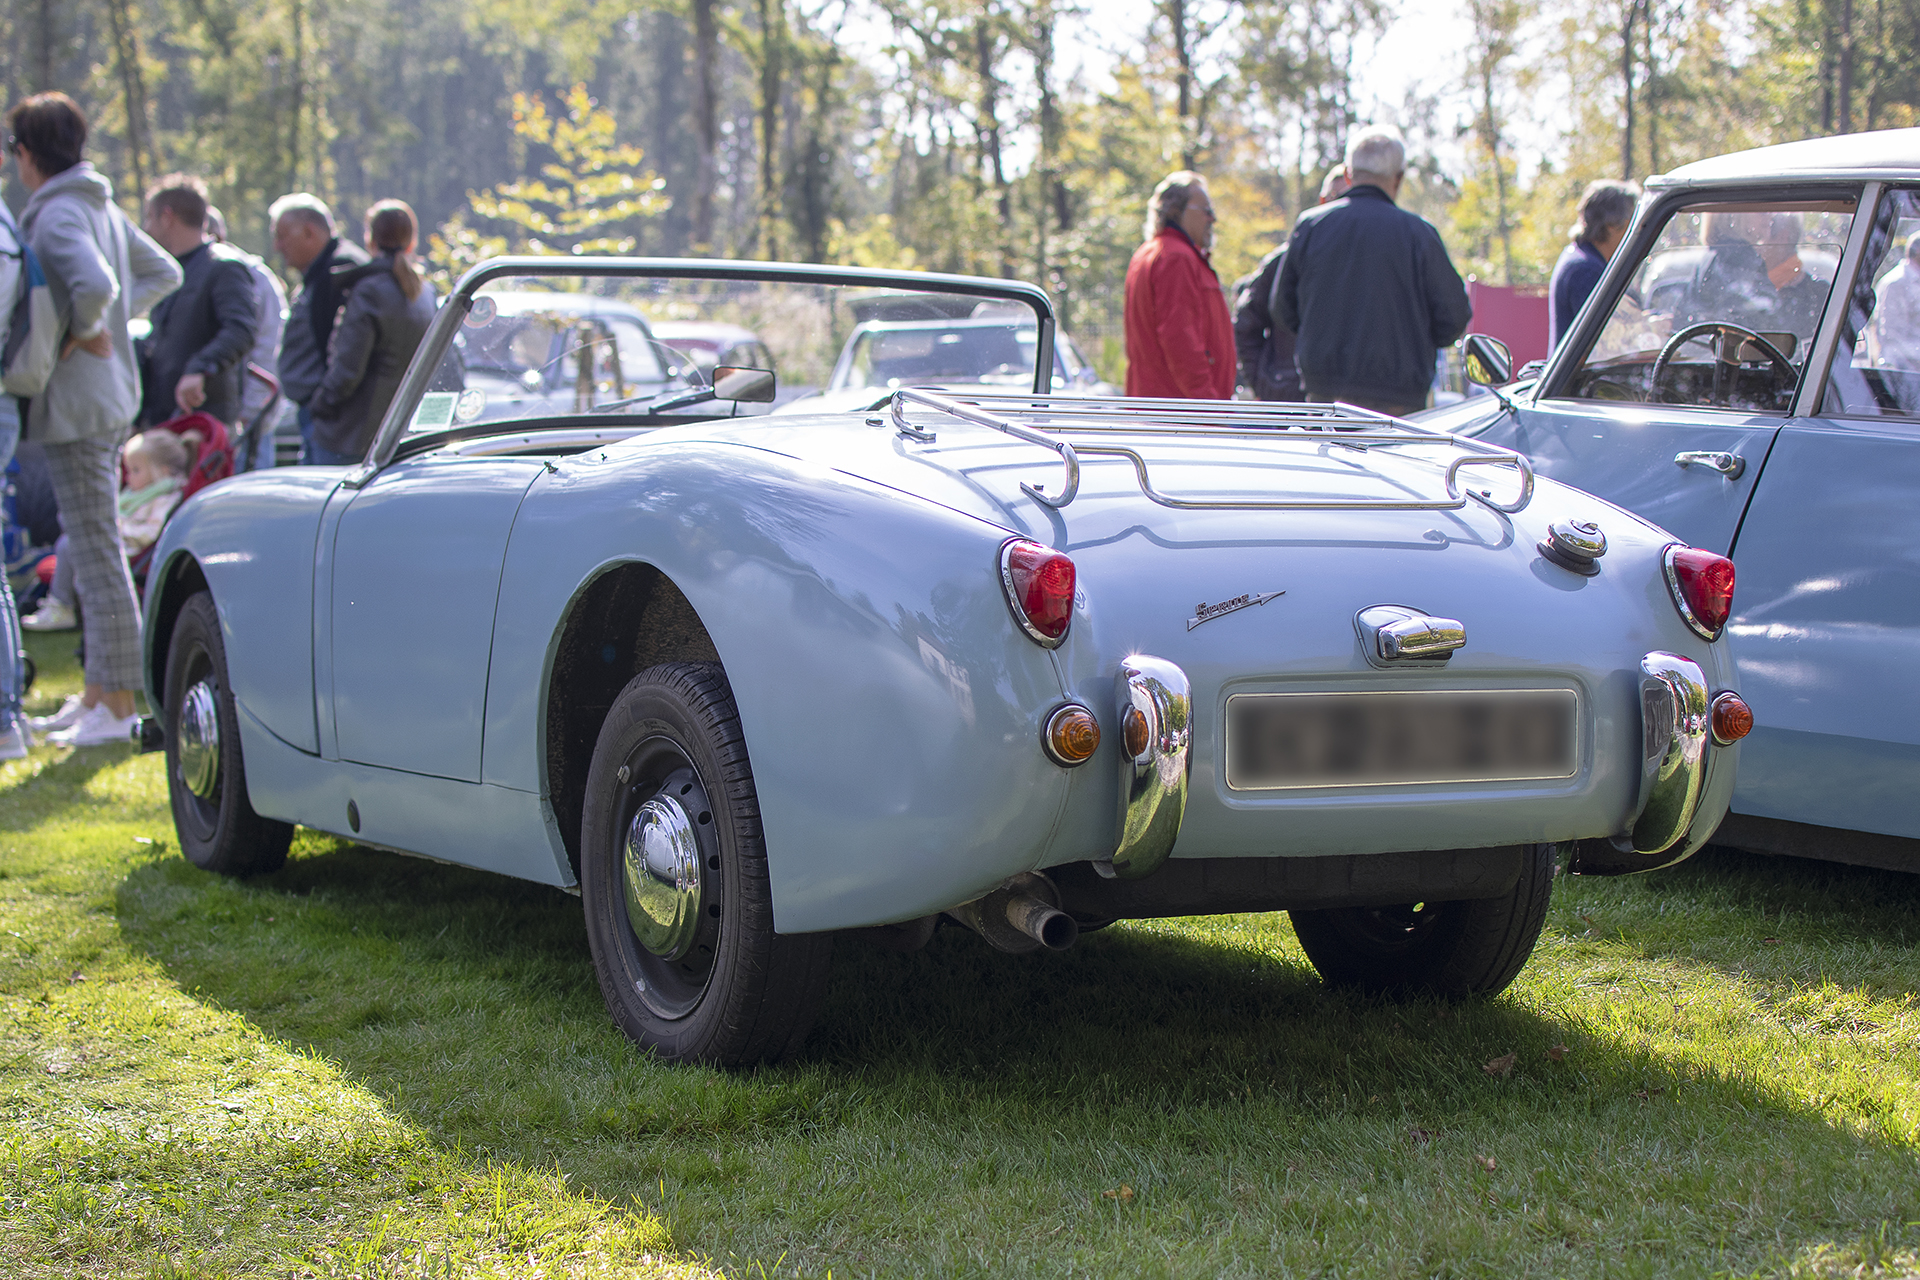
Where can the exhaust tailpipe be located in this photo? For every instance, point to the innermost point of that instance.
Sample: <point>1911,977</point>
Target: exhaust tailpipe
<point>1020,915</point>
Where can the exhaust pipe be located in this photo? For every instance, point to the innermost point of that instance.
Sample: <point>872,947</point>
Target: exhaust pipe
<point>1020,915</point>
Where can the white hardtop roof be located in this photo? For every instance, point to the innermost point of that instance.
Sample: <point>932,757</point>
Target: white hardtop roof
<point>1888,153</point>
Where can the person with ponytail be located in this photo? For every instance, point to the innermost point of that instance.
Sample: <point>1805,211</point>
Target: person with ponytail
<point>388,307</point>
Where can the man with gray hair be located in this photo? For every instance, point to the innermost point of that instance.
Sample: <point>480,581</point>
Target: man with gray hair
<point>303,236</point>
<point>1368,289</point>
<point>1605,210</point>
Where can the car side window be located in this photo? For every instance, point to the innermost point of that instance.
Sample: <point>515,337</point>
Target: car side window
<point>1876,365</point>
<point>1721,311</point>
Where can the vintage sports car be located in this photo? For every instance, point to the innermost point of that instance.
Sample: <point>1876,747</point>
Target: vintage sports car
<point>1747,375</point>
<point>1028,663</point>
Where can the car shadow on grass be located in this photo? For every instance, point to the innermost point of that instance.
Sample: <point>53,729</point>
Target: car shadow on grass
<point>347,948</point>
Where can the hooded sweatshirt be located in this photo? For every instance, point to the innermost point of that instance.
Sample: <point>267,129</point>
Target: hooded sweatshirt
<point>102,270</point>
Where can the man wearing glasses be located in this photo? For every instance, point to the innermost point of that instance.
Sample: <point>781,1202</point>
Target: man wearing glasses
<point>1179,336</point>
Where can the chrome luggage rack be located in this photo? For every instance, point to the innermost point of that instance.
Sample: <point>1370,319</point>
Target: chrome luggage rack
<point>1344,425</point>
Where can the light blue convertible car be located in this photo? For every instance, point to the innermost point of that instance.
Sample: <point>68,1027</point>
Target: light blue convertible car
<point>1025,663</point>
<point>1747,375</point>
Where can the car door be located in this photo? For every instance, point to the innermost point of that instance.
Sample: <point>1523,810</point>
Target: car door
<point>414,580</point>
<point>1662,403</point>
<point>1826,628</point>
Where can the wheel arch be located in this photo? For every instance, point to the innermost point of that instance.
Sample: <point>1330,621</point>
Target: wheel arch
<point>168,590</point>
<point>625,618</point>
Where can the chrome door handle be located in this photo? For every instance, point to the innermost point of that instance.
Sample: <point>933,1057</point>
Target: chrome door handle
<point>1729,465</point>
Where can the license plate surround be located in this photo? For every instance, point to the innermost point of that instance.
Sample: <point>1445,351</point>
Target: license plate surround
<point>1560,704</point>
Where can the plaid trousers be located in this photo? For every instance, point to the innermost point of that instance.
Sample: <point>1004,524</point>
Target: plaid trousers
<point>86,481</point>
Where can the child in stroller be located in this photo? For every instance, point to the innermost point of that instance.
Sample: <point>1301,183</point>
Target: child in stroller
<point>154,466</point>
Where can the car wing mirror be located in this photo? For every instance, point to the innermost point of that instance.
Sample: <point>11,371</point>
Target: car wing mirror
<point>747,386</point>
<point>1488,362</point>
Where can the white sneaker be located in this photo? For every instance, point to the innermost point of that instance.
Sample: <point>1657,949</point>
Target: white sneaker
<point>97,727</point>
<point>70,711</point>
<point>52,615</point>
<point>15,742</point>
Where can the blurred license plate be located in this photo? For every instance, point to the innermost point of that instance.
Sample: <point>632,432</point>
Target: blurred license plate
<point>1277,740</point>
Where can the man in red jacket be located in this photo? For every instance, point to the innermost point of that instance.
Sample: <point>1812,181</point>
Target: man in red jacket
<point>1179,336</point>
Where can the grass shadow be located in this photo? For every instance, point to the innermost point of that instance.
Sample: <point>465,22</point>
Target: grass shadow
<point>467,1003</point>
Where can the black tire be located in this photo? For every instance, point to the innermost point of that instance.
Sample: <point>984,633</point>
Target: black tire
<point>727,991</point>
<point>207,781</point>
<point>1442,948</point>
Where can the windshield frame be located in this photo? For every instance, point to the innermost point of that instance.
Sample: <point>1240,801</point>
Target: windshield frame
<point>447,321</point>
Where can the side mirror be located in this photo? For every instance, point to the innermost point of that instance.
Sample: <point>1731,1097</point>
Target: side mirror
<point>1487,360</point>
<point>748,386</point>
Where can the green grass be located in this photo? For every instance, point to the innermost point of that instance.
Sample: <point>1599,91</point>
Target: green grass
<point>368,1065</point>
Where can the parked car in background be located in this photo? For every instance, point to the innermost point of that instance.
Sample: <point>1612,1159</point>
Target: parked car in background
<point>1747,375</point>
<point>1022,662</point>
<point>709,343</point>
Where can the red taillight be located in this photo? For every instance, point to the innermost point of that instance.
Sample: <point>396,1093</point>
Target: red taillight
<point>1702,586</point>
<point>1039,583</point>
<point>1732,718</point>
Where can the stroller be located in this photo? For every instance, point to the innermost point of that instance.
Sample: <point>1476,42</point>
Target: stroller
<point>216,456</point>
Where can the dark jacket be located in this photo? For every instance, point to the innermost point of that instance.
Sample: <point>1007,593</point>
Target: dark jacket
<point>1371,295</point>
<point>370,349</point>
<point>1265,347</point>
<point>207,327</point>
<point>310,320</point>
<point>1574,277</point>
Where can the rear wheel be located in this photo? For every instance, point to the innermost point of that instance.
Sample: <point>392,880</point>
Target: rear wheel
<point>673,878</point>
<point>1446,948</point>
<point>206,777</point>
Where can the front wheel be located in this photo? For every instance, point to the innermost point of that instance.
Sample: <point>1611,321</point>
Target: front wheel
<point>1446,948</point>
<point>673,878</point>
<point>206,777</point>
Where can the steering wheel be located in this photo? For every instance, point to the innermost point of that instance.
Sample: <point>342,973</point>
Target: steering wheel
<point>1781,364</point>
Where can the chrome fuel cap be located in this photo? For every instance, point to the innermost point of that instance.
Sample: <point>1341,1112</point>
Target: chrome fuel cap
<point>1576,545</point>
<point>199,753</point>
<point>663,878</point>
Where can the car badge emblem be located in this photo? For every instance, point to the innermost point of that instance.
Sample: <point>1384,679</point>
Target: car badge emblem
<point>1204,612</point>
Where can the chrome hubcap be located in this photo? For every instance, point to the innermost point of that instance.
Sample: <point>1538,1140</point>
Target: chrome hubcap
<point>662,871</point>
<point>199,752</point>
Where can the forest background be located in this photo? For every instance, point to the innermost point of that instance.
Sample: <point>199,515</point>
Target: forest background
<point>1002,137</point>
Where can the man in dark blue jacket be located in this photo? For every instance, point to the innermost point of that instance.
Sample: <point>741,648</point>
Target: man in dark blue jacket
<point>1369,290</point>
<point>1605,210</point>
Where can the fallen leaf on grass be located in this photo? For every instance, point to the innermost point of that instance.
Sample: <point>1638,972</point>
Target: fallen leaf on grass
<point>76,976</point>
<point>1557,1052</point>
<point>1644,1094</point>
<point>1770,942</point>
<point>1486,1163</point>
<point>1500,1066</point>
<point>1421,1137</point>
<point>58,1068</point>
<point>1125,1192</point>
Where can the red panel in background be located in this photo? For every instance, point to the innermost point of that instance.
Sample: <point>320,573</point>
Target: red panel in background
<point>1516,314</point>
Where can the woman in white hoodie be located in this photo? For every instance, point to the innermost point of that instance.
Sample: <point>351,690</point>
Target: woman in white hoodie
<point>102,270</point>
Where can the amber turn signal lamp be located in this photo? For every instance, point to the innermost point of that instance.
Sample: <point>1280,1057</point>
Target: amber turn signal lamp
<point>1072,735</point>
<point>1732,718</point>
<point>1135,732</point>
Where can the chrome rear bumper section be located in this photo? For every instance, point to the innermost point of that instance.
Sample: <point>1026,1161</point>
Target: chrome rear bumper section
<point>1154,702</point>
<point>1676,722</point>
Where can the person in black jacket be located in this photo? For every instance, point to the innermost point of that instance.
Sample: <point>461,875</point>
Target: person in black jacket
<point>305,238</point>
<point>1266,348</point>
<point>389,306</point>
<point>203,331</point>
<point>1368,289</point>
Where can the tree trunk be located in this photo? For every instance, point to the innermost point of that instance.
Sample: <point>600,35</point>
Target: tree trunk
<point>299,73</point>
<point>706,120</point>
<point>986,51</point>
<point>773,18</point>
<point>1846,66</point>
<point>1628,13</point>
<point>126,51</point>
<point>1649,95</point>
<point>1183,81</point>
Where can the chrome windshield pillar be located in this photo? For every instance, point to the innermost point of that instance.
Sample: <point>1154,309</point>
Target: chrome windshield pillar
<point>1155,705</point>
<point>1675,722</point>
